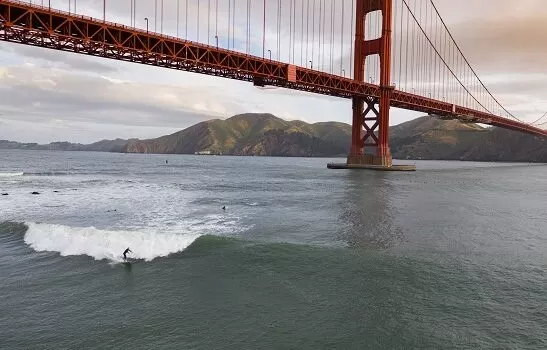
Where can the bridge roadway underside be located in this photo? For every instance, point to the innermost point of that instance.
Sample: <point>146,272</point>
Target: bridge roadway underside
<point>38,26</point>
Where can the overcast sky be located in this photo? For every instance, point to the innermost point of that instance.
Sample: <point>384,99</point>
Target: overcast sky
<point>49,95</point>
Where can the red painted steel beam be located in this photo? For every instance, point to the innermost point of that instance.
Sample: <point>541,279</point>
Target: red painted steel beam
<point>418,103</point>
<point>37,26</point>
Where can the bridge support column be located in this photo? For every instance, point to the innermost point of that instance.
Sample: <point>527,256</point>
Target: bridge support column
<point>370,125</point>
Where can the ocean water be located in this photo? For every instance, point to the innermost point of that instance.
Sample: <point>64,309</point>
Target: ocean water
<point>303,257</point>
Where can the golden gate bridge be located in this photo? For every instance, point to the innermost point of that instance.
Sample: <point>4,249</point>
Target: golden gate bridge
<point>378,53</point>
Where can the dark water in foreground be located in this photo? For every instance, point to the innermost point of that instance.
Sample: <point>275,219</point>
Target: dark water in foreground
<point>452,256</point>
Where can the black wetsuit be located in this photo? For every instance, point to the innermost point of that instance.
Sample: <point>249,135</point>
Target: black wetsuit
<point>125,252</point>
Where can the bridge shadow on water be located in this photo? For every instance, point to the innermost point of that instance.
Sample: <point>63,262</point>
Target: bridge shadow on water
<point>367,211</point>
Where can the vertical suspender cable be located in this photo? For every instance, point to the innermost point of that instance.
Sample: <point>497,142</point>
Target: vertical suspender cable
<point>332,38</point>
<point>294,31</point>
<point>264,30</point>
<point>313,34</point>
<point>234,26</point>
<point>443,44</point>
<point>439,50</point>
<point>412,67</point>
<point>319,60</point>
<point>307,28</point>
<point>461,98</point>
<point>330,35</point>
<point>248,26</point>
<point>419,52</point>
<point>302,35</point>
<point>324,54</point>
<point>229,20</point>
<point>278,30</point>
<point>399,82</point>
<point>406,50</point>
<point>453,85</point>
<point>435,71</point>
<point>290,30</point>
<point>342,40</point>
<point>423,59</point>
<point>351,40</point>
<point>378,34</point>
<point>394,45</point>
<point>428,54</point>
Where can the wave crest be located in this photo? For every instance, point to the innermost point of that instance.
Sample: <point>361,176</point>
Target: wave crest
<point>11,174</point>
<point>146,244</point>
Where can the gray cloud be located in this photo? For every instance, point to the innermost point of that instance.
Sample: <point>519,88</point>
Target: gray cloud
<point>494,45</point>
<point>528,85</point>
<point>56,60</point>
<point>77,132</point>
<point>33,93</point>
<point>57,97</point>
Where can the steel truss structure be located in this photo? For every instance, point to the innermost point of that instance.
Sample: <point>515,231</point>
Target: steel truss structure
<point>40,26</point>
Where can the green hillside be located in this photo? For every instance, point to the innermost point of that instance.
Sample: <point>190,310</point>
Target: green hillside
<point>267,135</point>
<point>252,134</point>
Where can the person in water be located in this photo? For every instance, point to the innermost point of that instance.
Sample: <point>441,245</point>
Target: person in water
<point>125,252</point>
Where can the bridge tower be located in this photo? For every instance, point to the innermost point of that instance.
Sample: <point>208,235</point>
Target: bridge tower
<point>370,125</point>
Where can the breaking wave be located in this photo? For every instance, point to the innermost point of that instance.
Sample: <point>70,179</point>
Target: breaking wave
<point>146,244</point>
<point>11,174</point>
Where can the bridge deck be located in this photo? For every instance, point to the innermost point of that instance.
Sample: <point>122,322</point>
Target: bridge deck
<point>39,26</point>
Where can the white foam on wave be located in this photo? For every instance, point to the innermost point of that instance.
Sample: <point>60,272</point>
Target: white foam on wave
<point>100,244</point>
<point>11,174</point>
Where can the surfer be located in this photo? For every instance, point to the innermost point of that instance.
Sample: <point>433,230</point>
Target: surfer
<point>125,252</point>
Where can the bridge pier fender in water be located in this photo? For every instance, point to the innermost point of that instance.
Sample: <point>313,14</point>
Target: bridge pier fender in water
<point>398,167</point>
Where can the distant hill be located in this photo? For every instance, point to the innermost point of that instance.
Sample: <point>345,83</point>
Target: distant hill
<point>100,146</point>
<point>268,135</point>
<point>252,134</point>
<point>432,138</point>
<point>421,138</point>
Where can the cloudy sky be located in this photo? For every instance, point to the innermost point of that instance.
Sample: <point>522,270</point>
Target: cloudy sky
<point>49,96</point>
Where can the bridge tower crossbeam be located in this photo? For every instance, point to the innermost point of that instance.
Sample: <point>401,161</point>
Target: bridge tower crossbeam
<point>370,125</point>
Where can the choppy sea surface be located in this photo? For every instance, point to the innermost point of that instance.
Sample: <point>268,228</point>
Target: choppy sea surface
<point>303,257</point>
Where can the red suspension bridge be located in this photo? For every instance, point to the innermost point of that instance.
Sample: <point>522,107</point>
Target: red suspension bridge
<point>378,53</point>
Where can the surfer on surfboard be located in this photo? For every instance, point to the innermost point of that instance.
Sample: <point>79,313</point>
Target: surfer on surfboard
<point>125,252</point>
